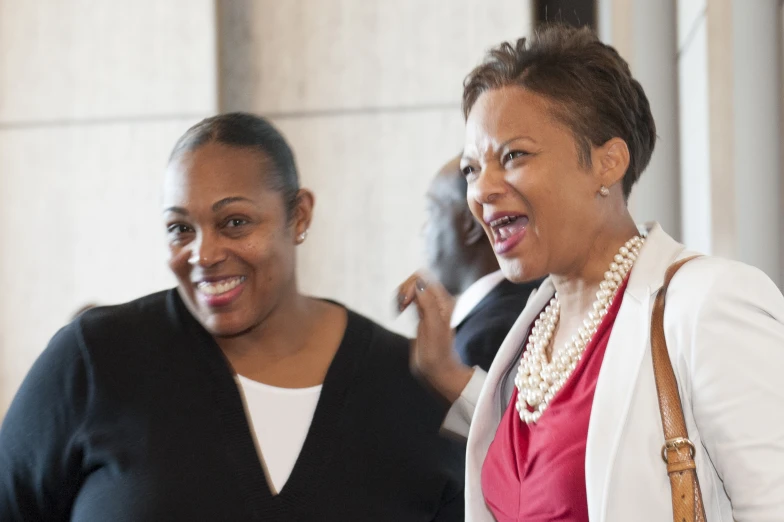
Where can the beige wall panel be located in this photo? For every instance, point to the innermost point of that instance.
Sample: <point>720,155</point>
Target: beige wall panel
<point>80,221</point>
<point>312,55</point>
<point>370,174</point>
<point>81,59</point>
<point>721,127</point>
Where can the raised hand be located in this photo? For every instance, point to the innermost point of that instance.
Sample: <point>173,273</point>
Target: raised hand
<point>432,355</point>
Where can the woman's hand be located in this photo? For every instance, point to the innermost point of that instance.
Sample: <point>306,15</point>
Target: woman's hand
<point>432,355</point>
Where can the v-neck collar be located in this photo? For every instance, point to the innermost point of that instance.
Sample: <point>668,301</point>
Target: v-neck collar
<point>321,440</point>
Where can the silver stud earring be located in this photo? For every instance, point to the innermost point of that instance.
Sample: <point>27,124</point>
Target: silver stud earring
<point>302,236</point>
<point>604,191</point>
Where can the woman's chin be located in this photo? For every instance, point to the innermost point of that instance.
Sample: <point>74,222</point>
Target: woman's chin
<point>517,271</point>
<point>219,325</point>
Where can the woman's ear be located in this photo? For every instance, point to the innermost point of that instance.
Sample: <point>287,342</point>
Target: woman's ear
<point>303,212</point>
<point>611,160</point>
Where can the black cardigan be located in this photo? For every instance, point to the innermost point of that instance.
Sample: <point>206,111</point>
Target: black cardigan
<point>132,414</point>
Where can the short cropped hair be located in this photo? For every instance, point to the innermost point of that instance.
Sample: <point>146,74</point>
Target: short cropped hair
<point>590,86</point>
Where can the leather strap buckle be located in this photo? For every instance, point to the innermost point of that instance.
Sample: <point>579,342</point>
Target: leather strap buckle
<point>674,444</point>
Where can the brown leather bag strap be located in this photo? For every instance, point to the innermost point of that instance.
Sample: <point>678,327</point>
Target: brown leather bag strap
<point>678,451</point>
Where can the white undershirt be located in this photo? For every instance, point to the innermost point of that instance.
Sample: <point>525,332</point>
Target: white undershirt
<point>280,419</point>
<point>474,295</point>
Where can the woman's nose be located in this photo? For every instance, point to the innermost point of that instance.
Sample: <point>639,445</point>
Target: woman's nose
<point>206,251</point>
<point>488,186</point>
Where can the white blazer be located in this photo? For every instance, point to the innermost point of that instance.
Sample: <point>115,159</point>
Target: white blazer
<point>724,324</point>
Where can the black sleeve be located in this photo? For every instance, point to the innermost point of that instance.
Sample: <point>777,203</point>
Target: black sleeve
<point>482,344</point>
<point>42,435</point>
<point>453,507</point>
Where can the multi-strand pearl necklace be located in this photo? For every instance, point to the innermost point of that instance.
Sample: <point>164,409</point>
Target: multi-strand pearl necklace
<point>537,379</point>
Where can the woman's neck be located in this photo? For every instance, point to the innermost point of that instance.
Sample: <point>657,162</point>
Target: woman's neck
<point>294,345</point>
<point>277,332</point>
<point>577,289</point>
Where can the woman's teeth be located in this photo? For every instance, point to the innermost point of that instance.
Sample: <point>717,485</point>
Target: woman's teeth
<point>502,221</point>
<point>220,287</point>
<point>508,226</point>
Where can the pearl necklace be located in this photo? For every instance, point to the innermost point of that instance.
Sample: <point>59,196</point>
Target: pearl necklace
<point>537,379</point>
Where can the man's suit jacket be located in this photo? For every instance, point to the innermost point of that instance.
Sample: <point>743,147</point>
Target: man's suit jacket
<point>480,334</point>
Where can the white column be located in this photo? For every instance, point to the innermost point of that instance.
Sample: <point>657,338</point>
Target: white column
<point>757,133</point>
<point>644,32</point>
<point>704,100</point>
<point>731,130</point>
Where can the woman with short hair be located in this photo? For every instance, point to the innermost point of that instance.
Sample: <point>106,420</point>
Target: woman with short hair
<point>566,425</point>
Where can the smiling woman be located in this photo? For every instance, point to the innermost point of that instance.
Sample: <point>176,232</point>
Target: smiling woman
<point>233,396</point>
<point>231,235</point>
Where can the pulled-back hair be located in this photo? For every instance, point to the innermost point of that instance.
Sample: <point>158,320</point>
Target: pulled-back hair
<point>589,85</point>
<point>244,130</point>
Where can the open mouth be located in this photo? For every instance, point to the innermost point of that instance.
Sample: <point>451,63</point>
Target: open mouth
<point>508,226</point>
<point>220,292</point>
<point>508,231</point>
<point>215,288</point>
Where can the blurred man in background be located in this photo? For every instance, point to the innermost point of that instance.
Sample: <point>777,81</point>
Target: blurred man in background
<point>461,258</point>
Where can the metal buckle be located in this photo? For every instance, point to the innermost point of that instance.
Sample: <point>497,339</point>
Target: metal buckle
<point>674,444</point>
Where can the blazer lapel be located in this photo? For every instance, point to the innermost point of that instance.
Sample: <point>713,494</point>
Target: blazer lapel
<point>491,402</point>
<point>626,348</point>
<point>488,415</point>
